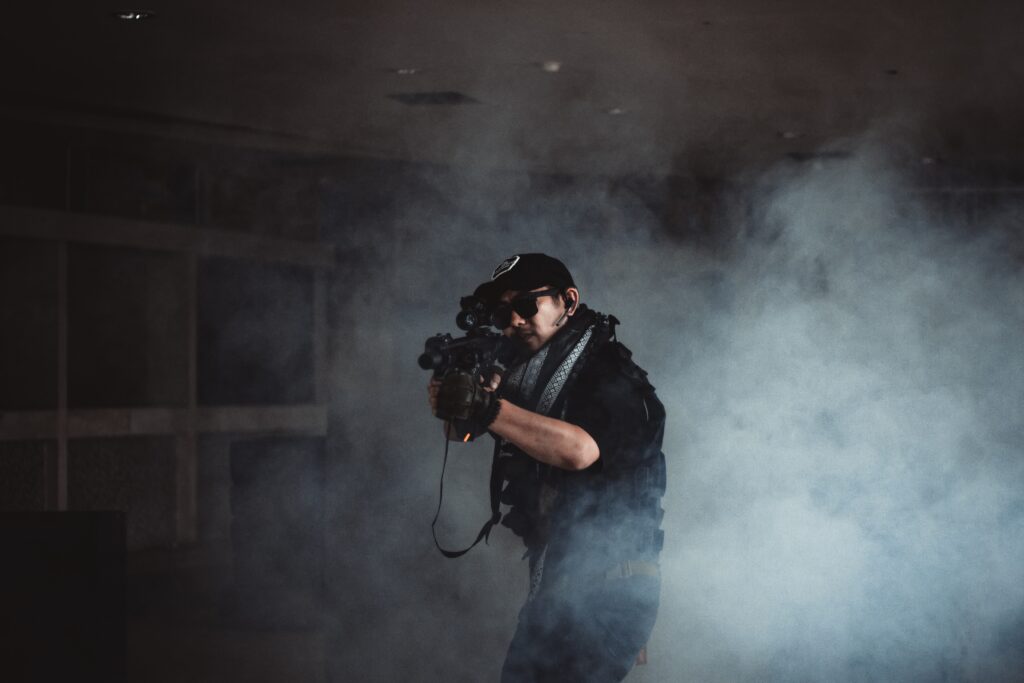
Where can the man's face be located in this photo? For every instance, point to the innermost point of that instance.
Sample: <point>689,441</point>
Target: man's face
<point>536,330</point>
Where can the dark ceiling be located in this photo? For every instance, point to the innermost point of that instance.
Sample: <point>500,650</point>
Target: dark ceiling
<point>614,85</point>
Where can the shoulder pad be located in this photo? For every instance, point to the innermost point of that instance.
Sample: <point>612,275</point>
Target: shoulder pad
<point>623,360</point>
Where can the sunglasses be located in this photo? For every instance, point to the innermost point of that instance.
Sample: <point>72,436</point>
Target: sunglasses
<point>525,306</point>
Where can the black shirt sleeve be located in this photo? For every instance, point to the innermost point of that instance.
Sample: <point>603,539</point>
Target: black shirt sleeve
<point>613,403</point>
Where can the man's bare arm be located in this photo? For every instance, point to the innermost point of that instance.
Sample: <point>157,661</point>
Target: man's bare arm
<point>551,441</point>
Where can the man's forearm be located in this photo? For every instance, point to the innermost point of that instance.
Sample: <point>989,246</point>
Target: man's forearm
<point>551,441</point>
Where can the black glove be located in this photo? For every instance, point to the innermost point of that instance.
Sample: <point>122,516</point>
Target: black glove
<point>463,402</point>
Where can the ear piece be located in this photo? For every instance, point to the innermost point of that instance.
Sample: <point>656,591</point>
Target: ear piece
<point>570,303</point>
<point>570,307</point>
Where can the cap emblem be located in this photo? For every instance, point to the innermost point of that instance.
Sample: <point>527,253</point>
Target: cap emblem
<point>505,266</point>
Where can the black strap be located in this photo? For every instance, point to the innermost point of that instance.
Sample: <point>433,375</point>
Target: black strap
<point>485,531</point>
<point>497,475</point>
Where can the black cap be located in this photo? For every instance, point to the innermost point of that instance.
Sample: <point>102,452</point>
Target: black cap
<point>524,272</point>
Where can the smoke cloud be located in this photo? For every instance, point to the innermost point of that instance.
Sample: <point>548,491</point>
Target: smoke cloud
<point>843,380</point>
<point>846,504</point>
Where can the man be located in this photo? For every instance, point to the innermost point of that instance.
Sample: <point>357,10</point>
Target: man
<point>578,430</point>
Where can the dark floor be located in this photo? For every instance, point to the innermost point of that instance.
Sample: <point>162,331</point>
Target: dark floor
<point>187,621</point>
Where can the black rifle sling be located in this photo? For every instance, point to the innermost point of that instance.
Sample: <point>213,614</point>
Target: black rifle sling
<point>485,531</point>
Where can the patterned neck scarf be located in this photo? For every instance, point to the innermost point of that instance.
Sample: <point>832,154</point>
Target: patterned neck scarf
<point>537,383</point>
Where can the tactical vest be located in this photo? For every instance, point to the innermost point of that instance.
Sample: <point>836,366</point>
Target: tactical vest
<point>620,508</point>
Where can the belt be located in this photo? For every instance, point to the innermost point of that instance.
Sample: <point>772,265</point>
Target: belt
<point>630,568</point>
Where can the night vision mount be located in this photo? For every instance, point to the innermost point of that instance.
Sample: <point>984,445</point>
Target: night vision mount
<point>481,352</point>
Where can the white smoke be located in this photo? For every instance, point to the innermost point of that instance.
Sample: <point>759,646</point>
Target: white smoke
<point>847,502</point>
<point>844,394</point>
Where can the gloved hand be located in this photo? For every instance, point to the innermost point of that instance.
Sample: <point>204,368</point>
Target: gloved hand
<point>462,401</point>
